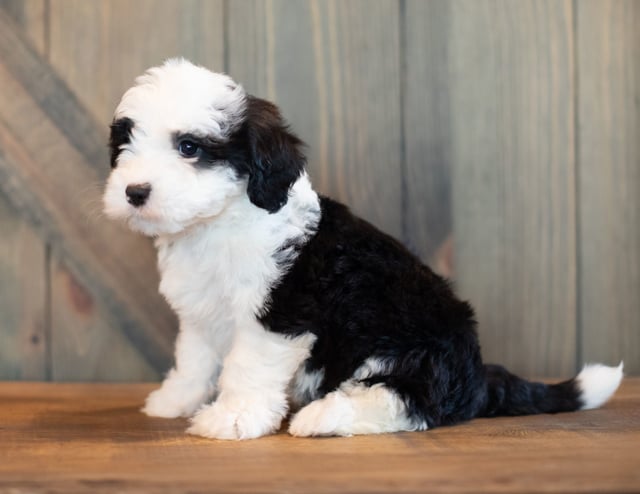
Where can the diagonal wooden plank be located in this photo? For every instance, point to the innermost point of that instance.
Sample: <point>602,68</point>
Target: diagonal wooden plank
<point>53,158</point>
<point>24,257</point>
<point>23,304</point>
<point>32,17</point>
<point>55,99</point>
<point>84,345</point>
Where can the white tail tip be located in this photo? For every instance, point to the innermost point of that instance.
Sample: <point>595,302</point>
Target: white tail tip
<point>597,383</point>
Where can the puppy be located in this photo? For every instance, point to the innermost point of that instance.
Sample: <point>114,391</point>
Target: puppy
<point>286,300</point>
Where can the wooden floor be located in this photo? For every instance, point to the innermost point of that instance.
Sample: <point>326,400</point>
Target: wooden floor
<point>65,438</point>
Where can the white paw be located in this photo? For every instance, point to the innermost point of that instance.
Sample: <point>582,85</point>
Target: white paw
<point>172,402</point>
<point>329,416</point>
<point>235,419</point>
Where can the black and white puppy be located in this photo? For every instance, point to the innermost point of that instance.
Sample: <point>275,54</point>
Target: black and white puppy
<point>286,300</point>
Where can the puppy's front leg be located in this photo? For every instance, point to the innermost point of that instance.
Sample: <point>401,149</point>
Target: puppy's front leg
<point>253,385</point>
<point>192,381</point>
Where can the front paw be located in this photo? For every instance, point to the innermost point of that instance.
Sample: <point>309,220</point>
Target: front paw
<point>170,403</point>
<point>236,419</point>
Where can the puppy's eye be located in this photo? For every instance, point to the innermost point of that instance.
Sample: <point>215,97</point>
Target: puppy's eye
<point>188,148</point>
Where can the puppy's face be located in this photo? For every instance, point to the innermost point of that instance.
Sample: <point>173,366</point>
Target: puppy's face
<point>187,142</point>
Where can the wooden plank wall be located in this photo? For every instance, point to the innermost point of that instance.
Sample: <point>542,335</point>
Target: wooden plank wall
<point>497,139</point>
<point>608,107</point>
<point>514,221</point>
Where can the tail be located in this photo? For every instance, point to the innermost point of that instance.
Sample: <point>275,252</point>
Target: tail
<point>510,395</point>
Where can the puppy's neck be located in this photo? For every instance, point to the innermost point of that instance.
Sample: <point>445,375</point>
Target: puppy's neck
<point>238,255</point>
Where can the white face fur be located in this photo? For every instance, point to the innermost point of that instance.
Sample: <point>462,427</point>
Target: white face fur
<point>167,103</point>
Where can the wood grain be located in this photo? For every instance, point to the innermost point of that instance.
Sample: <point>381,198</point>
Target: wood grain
<point>334,69</point>
<point>23,264</point>
<point>514,179</point>
<point>51,177</point>
<point>84,346</point>
<point>608,46</point>
<point>23,299</point>
<point>31,16</point>
<point>427,130</point>
<point>92,438</point>
<point>498,139</point>
<point>116,41</point>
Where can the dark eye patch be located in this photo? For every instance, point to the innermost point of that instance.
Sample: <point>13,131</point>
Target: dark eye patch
<point>206,150</point>
<point>121,130</point>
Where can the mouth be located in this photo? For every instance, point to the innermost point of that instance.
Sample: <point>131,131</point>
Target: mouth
<point>142,225</point>
<point>153,225</point>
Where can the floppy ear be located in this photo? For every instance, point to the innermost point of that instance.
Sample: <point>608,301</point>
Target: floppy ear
<point>275,158</point>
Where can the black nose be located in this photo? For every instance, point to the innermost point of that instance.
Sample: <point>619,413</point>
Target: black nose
<point>137,194</point>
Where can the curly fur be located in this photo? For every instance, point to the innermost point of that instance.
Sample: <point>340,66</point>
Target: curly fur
<point>287,300</point>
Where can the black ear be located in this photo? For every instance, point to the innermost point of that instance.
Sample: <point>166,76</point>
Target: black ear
<point>274,154</point>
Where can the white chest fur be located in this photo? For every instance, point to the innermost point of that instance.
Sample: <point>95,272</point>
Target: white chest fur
<point>225,268</point>
<point>217,276</point>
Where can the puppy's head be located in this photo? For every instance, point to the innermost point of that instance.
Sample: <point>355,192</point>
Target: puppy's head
<point>186,143</point>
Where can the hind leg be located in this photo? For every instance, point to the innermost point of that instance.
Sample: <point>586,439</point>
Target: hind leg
<point>354,408</point>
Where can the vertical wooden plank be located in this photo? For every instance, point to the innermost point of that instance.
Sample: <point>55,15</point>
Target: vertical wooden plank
<point>334,69</point>
<point>117,40</point>
<point>99,58</point>
<point>23,258</point>
<point>427,127</point>
<point>514,174</point>
<point>23,338</point>
<point>608,47</point>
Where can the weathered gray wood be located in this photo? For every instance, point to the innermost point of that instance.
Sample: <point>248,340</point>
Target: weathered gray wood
<point>512,137</point>
<point>31,16</point>
<point>608,47</point>
<point>85,346</point>
<point>483,91</point>
<point>427,129</point>
<point>116,41</point>
<point>55,185</point>
<point>334,69</point>
<point>23,299</point>
<point>24,326</point>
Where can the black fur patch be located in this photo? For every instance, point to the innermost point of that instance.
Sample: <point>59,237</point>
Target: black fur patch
<point>263,149</point>
<point>268,153</point>
<point>120,135</point>
<point>365,295</point>
<point>212,150</point>
<point>511,395</point>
